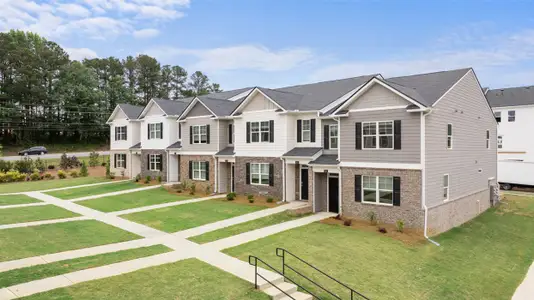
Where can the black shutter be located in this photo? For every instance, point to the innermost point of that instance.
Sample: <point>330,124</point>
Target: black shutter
<point>247,178</point>
<point>326,135</point>
<point>396,191</point>
<point>230,134</point>
<point>248,132</point>
<point>190,134</point>
<point>115,161</point>
<point>126,132</point>
<point>271,174</point>
<point>299,131</point>
<point>207,134</point>
<point>116,132</point>
<point>358,136</point>
<point>208,170</point>
<point>125,160</point>
<point>160,168</point>
<point>148,161</point>
<point>179,131</point>
<point>271,131</point>
<point>312,138</point>
<point>190,169</point>
<point>148,131</point>
<point>161,131</point>
<point>397,134</point>
<point>358,188</point>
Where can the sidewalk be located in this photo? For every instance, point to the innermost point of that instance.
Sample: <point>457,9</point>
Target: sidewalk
<point>525,291</point>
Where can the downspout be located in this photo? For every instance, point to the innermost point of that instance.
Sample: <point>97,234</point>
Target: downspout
<point>283,179</point>
<point>423,174</point>
<point>216,179</point>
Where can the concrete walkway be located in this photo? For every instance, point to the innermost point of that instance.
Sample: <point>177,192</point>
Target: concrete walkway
<point>116,193</point>
<point>23,205</point>
<point>43,222</point>
<point>525,291</point>
<point>156,206</point>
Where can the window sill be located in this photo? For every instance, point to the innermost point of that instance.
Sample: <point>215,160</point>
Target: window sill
<point>259,184</point>
<point>199,179</point>
<point>367,149</point>
<point>378,204</point>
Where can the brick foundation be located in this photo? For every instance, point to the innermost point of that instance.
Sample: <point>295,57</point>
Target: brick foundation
<point>145,164</point>
<point>243,187</point>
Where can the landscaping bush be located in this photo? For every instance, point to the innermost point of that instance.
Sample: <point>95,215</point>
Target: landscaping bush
<point>230,196</point>
<point>400,225</point>
<point>39,165</point>
<point>108,172</point>
<point>61,174</point>
<point>35,176</point>
<point>347,222</point>
<point>270,199</point>
<point>66,162</point>
<point>5,166</point>
<point>137,177</point>
<point>147,179</point>
<point>382,230</point>
<point>24,165</point>
<point>123,172</point>
<point>93,159</point>
<point>11,176</point>
<point>103,164</point>
<point>51,167</point>
<point>372,217</point>
<point>111,175</point>
<point>158,178</point>
<point>192,189</point>
<point>74,174</point>
<point>250,198</point>
<point>48,176</point>
<point>208,189</point>
<point>83,170</point>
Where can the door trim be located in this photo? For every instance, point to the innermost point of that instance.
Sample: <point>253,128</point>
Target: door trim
<point>333,175</point>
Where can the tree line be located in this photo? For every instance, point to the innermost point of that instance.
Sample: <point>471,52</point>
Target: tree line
<point>45,97</point>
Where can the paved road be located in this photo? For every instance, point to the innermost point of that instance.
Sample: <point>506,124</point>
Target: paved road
<point>54,155</point>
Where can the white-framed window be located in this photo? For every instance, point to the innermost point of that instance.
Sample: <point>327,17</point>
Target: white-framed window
<point>498,116</point>
<point>377,135</point>
<point>499,142</point>
<point>259,174</point>
<point>259,131</point>
<point>446,187</point>
<point>333,135</point>
<point>449,136</point>
<point>377,189</point>
<point>120,133</point>
<point>200,134</point>
<point>200,170</point>
<point>120,160</point>
<point>306,130</point>
<point>511,116</point>
<point>155,131</point>
<point>155,162</point>
<point>488,140</point>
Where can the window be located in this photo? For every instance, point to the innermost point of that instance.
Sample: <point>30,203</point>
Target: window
<point>259,131</point>
<point>306,130</point>
<point>333,136</point>
<point>449,136</point>
<point>199,170</point>
<point>120,133</point>
<point>511,116</point>
<point>120,160</point>
<point>155,162</point>
<point>498,116</point>
<point>377,189</point>
<point>487,139</point>
<point>446,187</point>
<point>200,134</point>
<point>259,174</point>
<point>384,135</point>
<point>499,142</point>
<point>155,131</point>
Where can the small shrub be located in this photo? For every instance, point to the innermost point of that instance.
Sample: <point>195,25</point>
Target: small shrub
<point>137,177</point>
<point>108,171</point>
<point>230,196</point>
<point>347,222</point>
<point>147,179</point>
<point>123,172</point>
<point>103,164</point>
<point>48,176</point>
<point>338,217</point>
<point>270,200</point>
<point>5,166</point>
<point>250,198</point>
<point>24,165</point>
<point>35,176</point>
<point>400,225</point>
<point>111,175</point>
<point>61,174</point>
<point>93,159</point>
<point>179,191</point>
<point>208,189</point>
<point>73,174</point>
<point>83,170</point>
<point>193,189</point>
<point>64,161</point>
<point>372,217</point>
<point>51,167</point>
<point>382,230</point>
<point>40,165</point>
<point>158,178</point>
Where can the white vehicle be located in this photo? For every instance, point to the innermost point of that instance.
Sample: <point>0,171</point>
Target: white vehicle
<point>515,173</point>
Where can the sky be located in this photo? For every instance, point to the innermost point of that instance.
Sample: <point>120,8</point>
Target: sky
<point>242,43</point>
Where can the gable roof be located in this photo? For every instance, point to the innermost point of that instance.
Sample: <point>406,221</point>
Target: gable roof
<point>511,96</point>
<point>131,111</point>
<point>172,107</point>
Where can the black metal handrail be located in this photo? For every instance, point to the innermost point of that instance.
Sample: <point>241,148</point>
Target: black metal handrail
<point>280,252</point>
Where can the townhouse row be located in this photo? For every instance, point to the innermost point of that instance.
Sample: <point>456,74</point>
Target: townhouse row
<point>419,148</point>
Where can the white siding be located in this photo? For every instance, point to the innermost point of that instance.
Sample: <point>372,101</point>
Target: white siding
<point>292,130</point>
<point>170,132</point>
<point>515,134</point>
<point>132,132</point>
<point>265,149</point>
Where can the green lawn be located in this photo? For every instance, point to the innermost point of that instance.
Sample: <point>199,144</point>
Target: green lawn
<point>29,186</point>
<point>94,190</point>
<point>16,199</point>
<point>45,239</point>
<point>28,274</point>
<point>176,218</point>
<point>133,200</point>
<point>33,213</point>
<point>189,279</point>
<point>485,258</point>
<point>244,227</point>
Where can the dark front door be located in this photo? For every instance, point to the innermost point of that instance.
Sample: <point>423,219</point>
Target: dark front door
<point>304,184</point>
<point>233,180</point>
<point>333,194</point>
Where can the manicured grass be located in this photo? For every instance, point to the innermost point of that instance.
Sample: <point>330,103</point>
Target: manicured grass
<point>33,213</point>
<point>45,239</point>
<point>189,279</point>
<point>16,199</point>
<point>29,186</point>
<point>28,274</point>
<point>94,190</point>
<point>176,218</point>
<point>485,258</point>
<point>133,200</point>
<point>244,227</point>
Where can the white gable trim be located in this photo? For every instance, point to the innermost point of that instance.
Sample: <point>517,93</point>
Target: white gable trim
<point>453,86</point>
<point>190,107</point>
<point>250,96</point>
<point>367,86</point>
<point>340,100</point>
<point>239,96</point>
<point>114,113</point>
<point>148,106</point>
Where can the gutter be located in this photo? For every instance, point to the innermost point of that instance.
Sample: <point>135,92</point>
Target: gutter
<point>423,173</point>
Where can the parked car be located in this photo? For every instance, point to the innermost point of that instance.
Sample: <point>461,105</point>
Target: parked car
<point>40,150</point>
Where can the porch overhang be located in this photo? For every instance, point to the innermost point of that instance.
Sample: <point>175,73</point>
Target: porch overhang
<point>302,155</point>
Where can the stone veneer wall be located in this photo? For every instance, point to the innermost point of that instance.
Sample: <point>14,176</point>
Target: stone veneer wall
<point>145,164</point>
<point>454,213</point>
<point>242,187</point>
<point>410,209</point>
<point>199,184</point>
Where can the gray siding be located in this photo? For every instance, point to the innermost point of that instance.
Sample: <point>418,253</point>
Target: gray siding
<point>466,108</point>
<point>410,130</point>
<point>198,110</point>
<point>320,191</point>
<point>223,134</point>
<point>327,122</point>
<point>212,146</point>
<point>378,96</point>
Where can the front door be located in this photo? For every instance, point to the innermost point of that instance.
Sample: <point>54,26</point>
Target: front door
<point>304,183</point>
<point>233,181</point>
<point>333,194</point>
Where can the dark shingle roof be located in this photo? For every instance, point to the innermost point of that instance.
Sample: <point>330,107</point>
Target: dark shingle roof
<point>325,159</point>
<point>172,107</point>
<point>511,96</point>
<point>136,146</point>
<point>303,151</point>
<point>176,145</point>
<point>131,111</point>
<point>219,107</point>
<point>226,151</point>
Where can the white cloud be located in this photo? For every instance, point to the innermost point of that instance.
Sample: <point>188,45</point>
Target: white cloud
<point>145,33</point>
<point>156,12</point>
<point>95,28</point>
<point>80,53</point>
<point>74,10</point>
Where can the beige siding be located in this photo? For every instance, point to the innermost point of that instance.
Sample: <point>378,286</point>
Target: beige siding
<point>154,110</point>
<point>120,115</point>
<point>212,146</point>
<point>466,108</point>
<point>198,110</point>
<point>259,102</point>
<point>223,134</point>
<point>378,96</point>
<point>410,130</point>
